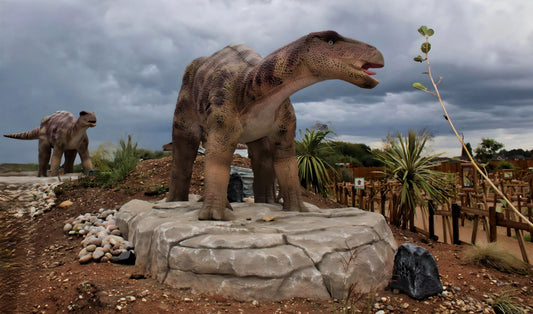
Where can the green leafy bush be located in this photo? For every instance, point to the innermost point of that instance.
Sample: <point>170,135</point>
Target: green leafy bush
<point>312,169</point>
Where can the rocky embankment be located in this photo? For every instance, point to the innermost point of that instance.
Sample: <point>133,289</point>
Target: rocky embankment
<point>33,196</point>
<point>27,195</point>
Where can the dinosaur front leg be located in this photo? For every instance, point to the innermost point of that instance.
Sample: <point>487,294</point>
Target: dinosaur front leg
<point>85,157</point>
<point>56,161</point>
<point>217,168</point>
<point>260,153</point>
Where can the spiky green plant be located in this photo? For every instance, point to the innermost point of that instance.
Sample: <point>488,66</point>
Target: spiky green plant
<point>404,161</point>
<point>125,160</point>
<point>312,170</point>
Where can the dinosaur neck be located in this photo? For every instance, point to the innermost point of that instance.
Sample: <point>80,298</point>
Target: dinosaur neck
<point>278,76</point>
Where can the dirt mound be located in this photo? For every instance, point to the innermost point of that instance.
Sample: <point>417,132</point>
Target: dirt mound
<point>41,274</point>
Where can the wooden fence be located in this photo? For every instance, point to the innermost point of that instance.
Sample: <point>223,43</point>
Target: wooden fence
<point>480,205</point>
<point>373,172</point>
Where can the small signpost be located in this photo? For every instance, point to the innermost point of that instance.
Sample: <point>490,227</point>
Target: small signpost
<point>359,183</point>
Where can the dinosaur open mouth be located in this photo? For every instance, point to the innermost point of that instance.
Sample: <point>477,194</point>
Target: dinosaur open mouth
<point>92,122</point>
<point>366,66</point>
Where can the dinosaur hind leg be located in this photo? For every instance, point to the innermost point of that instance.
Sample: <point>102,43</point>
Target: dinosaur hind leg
<point>45,151</point>
<point>68,165</point>
<point>261,155</point>
<point>184,150</point>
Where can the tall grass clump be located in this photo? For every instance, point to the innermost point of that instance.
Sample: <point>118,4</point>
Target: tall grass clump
<point>490,255</point>
<point>504,304</point>
<point>125,159</point>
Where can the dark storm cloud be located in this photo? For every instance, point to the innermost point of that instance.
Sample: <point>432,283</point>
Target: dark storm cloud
<point>124,60</point>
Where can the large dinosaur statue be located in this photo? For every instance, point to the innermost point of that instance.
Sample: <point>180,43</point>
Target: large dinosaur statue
<point>236,96</point>
<point>65,134</point>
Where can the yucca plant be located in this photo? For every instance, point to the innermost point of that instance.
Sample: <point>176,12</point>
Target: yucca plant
<point>404,161</point>
<point>312,170</point>
<point>125,161</point>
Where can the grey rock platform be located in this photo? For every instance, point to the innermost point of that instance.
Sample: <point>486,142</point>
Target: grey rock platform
<point>265,253</point>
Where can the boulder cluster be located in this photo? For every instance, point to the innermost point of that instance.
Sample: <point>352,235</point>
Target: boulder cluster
<point>103,240</point>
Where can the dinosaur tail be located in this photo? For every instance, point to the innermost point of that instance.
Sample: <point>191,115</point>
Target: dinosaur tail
<point>30,135</point>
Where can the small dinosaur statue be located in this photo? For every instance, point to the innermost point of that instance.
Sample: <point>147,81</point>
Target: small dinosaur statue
<point>236,96</point>
<point>65,134</point>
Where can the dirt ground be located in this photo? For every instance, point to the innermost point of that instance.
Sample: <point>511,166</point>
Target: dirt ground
<point>40,272</point>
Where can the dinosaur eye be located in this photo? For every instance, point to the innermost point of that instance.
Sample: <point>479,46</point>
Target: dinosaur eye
<point>331,42</point>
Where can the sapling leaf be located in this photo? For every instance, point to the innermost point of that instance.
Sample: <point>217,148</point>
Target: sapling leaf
<point>418,59</point>
<point>420,86</point>
<point>422,30</point>
<point>430,32</point>
<point>426,47</point>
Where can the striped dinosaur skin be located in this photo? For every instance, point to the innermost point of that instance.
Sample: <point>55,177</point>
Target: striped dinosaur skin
<point>65,134</point>
<point>236,96</point>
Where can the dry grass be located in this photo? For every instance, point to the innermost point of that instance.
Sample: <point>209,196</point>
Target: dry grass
<point>505,304</point>
<point>491,255</point>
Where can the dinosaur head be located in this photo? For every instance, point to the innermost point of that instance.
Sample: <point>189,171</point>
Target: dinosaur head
<point>332,56</point>
<point>87,118</point>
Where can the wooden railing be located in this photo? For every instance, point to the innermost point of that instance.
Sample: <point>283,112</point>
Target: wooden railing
<point>480,205</point>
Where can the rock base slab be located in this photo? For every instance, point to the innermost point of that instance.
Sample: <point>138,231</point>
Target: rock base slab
<point>265,253</point>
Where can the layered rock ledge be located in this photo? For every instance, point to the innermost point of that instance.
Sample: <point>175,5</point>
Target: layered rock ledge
<point>265,253</point>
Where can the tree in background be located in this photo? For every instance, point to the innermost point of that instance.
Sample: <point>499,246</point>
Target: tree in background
<point>487,149</point>
<point>404,161</point>
<point>354,153</point>
<point>312,169</point>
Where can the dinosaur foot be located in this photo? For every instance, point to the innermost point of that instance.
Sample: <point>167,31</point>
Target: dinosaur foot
<point>298,207</point>
<point>207,213</point>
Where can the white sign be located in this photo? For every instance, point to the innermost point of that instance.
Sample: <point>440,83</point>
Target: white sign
<point>359,183</point>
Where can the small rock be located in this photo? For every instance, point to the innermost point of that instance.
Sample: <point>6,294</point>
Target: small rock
<point>269,218</point>
<point>66,203</point>
<point>98,253</point>
<point>86,259</point>
<point>67,227</point>
<point>91,248</point>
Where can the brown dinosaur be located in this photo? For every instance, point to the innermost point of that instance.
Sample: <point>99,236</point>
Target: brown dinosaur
<point>236,96</point>
<point>65,134</point>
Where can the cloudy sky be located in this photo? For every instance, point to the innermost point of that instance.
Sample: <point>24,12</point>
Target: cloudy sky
<point>124,60</point>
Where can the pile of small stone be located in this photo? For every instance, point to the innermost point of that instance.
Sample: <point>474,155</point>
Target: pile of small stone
<point>451,300</point>
<point>102,238</point>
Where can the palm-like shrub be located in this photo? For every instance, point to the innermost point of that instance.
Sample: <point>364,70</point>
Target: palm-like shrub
<point>312,169</point>
<point>405,162</point>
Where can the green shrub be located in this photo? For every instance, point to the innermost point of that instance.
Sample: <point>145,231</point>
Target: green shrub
<point>111,172</point>
<point>505,165</point>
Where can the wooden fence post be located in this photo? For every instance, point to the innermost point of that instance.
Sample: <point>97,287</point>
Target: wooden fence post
<point>361,195</point>
<point>456,213</point>
<point>431,209</point>
<point>492,224</point>
<point>383,201</point>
